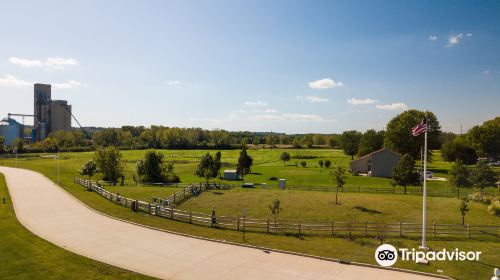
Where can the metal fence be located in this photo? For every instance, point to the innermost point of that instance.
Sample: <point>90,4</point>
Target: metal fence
<point>330,228</point>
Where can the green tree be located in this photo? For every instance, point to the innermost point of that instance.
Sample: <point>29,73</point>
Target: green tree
<point>308,141</point>
<point>110,163</point>
<point>403,174</point>
<point>482,176</point>
<point>151,168</point>
<point>460,175</point>
<point>285,157</point>
<point>89,169</point>
<point>255,141</point>
<point>339,178</point>
<point>207,168</point>
<point>371,141</point>
<point>463,208</point>
<point>218,162</point>
<point>303,163</point>
<point>106,137</point>
<point>328,163</point>
<point>332,142</point>
<point>319,139</point>
<point>350,142</point>
<point>398,135</point>
<point>244,163</point>
<point>296,142</point>
<point>459,150</point>
<point>2,145</point>
<point>486,138</point>
<point>18,145</point>
<point>321,163</point>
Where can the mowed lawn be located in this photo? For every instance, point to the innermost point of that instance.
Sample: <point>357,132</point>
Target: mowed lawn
<point>359,249</point>
<point>24,255</point>
<point>266,165</point>
<point>320,206</point>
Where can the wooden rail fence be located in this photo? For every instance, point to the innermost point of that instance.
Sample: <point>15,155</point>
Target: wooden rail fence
<point>330,228</point>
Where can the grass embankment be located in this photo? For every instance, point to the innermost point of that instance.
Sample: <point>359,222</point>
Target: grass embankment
<point>360,249</point>
<point>24,255</point>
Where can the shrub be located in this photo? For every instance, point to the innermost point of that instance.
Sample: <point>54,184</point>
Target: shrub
<point>272,178</point>
<point>494,208</point>
<point>477,197</point>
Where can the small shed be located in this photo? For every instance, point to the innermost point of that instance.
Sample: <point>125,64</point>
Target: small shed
<point>231,175</point>
<point>379,163</point>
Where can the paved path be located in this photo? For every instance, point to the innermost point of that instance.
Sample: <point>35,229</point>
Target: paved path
<point>48,211</point>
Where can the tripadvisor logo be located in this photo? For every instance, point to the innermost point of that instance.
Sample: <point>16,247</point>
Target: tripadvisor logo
<point>387,255</point>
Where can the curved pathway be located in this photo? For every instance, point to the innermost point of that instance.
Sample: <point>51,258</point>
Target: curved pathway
<point>51,213</point>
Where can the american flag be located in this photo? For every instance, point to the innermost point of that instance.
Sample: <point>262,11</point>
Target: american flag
<point>419,128</point>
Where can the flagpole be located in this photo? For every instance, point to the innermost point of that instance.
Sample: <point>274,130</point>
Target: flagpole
<point>424,212</point>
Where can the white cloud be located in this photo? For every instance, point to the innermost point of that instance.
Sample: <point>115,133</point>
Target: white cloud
<point>433,37</point>
<point>313,98</point>
<point>239,111</point>
<point>255,103</point>
<point>49,63</point>
<point>27,63</point>
<point>486,72</point>
<point>454,39</point>
<point>13,81</point>
<point>271,110</point>
<point>469,35</point>
<point>173,83</point>
<point>325,84</point>
<point>392,107</point>
<point>356,102</point>
<point>67,85</point>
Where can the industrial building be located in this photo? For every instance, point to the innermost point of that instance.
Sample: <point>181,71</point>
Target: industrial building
<point>10,129</point>
<point>379,163</point>
<point>50,115</point>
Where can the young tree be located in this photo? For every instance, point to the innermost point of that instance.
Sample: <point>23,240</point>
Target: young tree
<point>89,169</point>
<point>296,142</point>
<point>403,174</point>
<point>18,145</point>
<point>303,163</point>
<point>464,208</point>
<point>482,176</point>
<point>255,141</point>
<point>275,209</point>
<point>244,163</point>
<point>109,161</point>
<point>320,163</point>
<point>328,163</point>
<point>339,178</point>
<point>332,142</point>
<point>350,142</point>
<point>285,157</point>
<point>207,168</point>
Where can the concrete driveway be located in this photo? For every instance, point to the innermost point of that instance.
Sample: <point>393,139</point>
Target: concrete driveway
<point>48,211</point>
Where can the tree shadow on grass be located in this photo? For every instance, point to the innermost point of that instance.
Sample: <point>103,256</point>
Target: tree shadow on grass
<point>364,209</point>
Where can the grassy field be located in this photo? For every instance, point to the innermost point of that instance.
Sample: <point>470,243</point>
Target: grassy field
<point>360,249</point>
<point>320,206</point>
<point>24,255</point>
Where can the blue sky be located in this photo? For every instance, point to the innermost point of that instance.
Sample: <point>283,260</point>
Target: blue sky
<point>285,66</point>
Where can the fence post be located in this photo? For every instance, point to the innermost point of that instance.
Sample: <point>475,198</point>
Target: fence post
<point>190,216</point>
<point>149,208</point>
<point>359,189</point>
<point>468,231</point>
<point>434,229</point>
<point>267,224</point>
<point>171,212</point>
<point>238,224</point>
<point>366,229</point>
<point>174,196</point>
<point>400,229</point>
<point>333,228</point>
<point>300,224</point>
<point>350,231</point>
